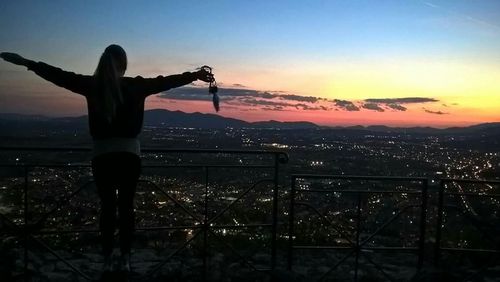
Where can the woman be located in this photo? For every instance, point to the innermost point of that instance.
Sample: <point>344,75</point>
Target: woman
<point>115,109</point>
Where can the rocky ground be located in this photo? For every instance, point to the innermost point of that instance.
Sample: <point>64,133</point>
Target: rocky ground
<point>46,267</point>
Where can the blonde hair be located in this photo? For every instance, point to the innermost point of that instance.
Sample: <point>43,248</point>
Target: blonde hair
<point>112,65</point>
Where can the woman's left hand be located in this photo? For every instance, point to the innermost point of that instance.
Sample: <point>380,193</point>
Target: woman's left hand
<point>14,58</point>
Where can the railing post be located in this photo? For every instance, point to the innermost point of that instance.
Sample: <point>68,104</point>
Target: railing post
<point>25,227</point>
<point>291,217</point>
<point>205,227</point>
<point>423,223</point>
<point>275,211</point>
<point>358,226</point>
<point>437,247</point>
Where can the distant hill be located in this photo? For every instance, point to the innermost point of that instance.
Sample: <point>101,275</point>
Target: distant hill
<point>157,117</point>
<point>483,127</point>
<point>20,117</point>
<point>160,117</point>
<point>285,125</point>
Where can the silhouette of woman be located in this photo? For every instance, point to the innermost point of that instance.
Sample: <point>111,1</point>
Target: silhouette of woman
<point>115,110</point>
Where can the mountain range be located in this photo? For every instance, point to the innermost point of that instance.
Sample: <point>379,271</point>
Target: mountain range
<point>161,117</point>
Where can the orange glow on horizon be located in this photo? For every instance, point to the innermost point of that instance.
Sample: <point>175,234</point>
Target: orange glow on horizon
<point>466,94</point>
<point>329,118</point>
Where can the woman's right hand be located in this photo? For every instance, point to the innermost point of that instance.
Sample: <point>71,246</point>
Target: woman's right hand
<point>204,75</point>
<point>14,58</point>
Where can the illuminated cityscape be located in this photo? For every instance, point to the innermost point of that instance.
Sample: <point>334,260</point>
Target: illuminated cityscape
<point>172,178</point>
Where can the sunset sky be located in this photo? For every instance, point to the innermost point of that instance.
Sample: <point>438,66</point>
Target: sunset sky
<point>399,63</point>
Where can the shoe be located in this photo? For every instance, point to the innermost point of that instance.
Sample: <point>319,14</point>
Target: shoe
<point>108,264</point>
<point>125,263</point>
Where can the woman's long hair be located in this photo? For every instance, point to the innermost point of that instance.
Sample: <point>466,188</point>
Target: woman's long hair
<point>111,67</point>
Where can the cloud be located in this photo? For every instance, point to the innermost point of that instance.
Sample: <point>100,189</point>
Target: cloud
<point>279,104</point>
<point>430,4</point>
<point>407,100</point>
<point>434,112</point>
<point>396,107</point>
<point>275,108</point>
<point>301,106</point>
<point>255,102</point>
<point>373,107</point>
<point>248,97</point>
<point>281,101</point>
<point>265,95</point>
<point>378,104</point>
<point>462,21</point>
<point>186,93</point>
<point>346,105</point>
<point>292,97</point>
<point>201,94</point>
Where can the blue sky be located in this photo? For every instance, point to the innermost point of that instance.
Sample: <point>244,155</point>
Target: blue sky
<point>292,46</point>
<point>248,31</point>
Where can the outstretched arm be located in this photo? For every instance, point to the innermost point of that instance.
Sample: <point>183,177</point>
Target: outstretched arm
<point>74,82</point>
<point>15,59</point>
<point>149,86</point>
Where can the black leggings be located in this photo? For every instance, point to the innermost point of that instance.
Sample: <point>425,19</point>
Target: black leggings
<point>118,171</point>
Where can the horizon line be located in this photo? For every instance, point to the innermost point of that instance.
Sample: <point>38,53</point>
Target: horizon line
<point>269,120</point>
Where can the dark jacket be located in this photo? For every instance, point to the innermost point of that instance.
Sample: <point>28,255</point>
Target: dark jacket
<point>129,114</point>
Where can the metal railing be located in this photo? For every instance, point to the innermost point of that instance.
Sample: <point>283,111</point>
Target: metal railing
<point>357,247</point>
<point>488,231</point>
<point>206,225</point>
<point>354,243</point>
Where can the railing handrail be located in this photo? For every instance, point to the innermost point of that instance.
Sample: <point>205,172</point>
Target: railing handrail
<point>147,150</point>
<point>281,156</point>
<point>478,181</point>
<point>357,177</point>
